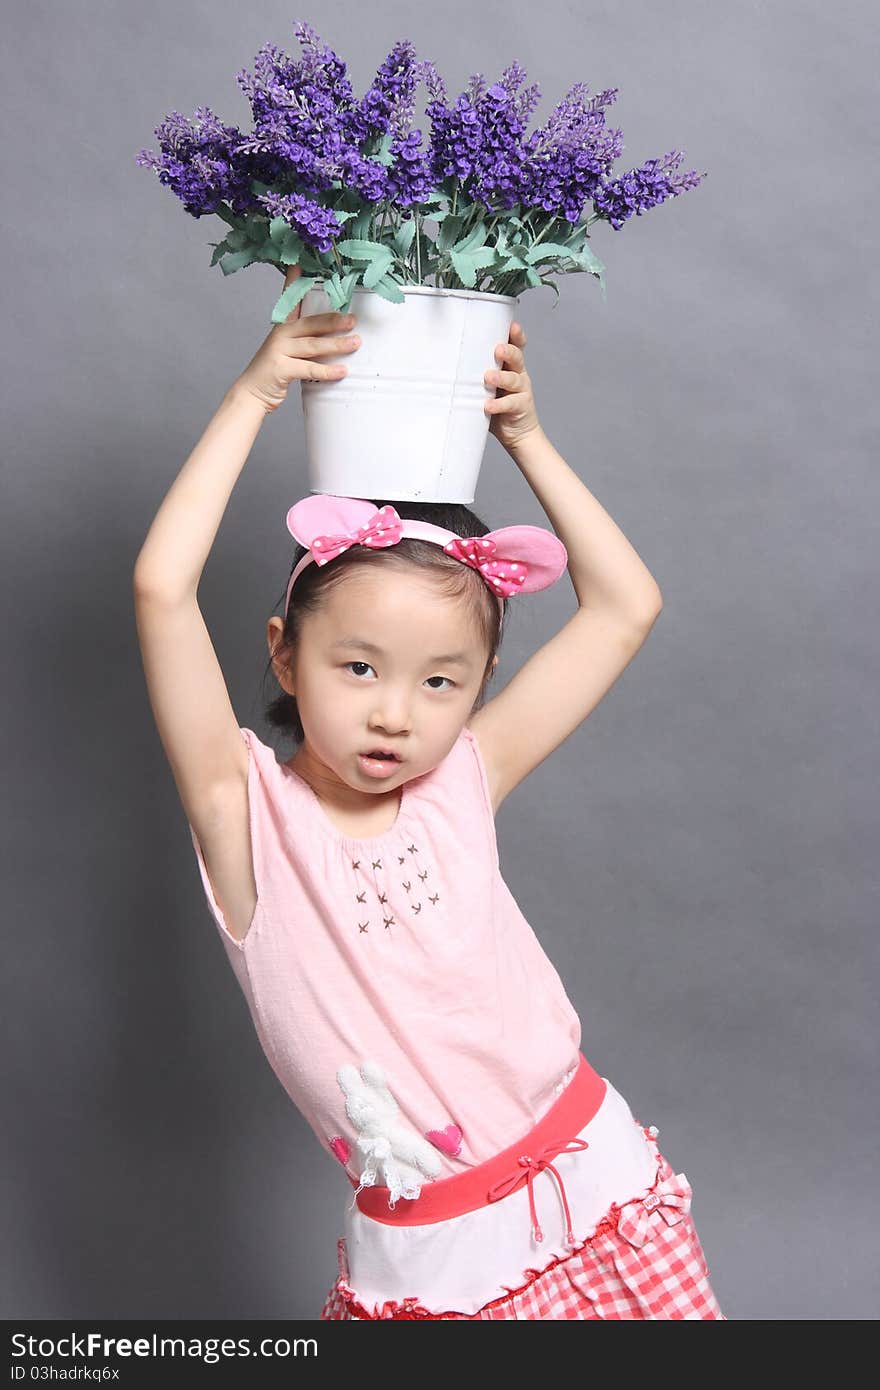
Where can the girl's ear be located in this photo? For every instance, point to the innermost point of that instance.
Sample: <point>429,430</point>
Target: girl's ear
<point>274,633</point>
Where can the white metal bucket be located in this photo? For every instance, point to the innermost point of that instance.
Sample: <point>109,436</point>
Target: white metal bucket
<point>407,422</point>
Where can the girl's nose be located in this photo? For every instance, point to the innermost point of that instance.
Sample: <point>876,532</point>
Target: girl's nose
<point>392,719</point>
<point>388,727</point>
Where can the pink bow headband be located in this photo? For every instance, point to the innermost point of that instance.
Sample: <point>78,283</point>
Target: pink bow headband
<point>512,560</point>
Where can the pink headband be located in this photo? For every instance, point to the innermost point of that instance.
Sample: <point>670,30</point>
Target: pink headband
<point>512,560</point>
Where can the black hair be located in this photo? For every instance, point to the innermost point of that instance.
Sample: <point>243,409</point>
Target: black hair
<point>454,578</point>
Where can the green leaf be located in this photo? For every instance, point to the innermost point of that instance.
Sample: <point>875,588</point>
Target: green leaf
<point>467,265</point>
<point>348,284</point>
<point>237,239</point>
<point>475,237</point>
<point>237,261</point>
<point>389,289</point>
<point>359,250</point>
<point>220,249</point>
<point>227,214</point>
<point>449,230</point>
<point>587,261</point>
<point>464,269</point>
<point>333,290</point>
<point>533,277</point>
<point>291,249</point>
<point>403,237</point>
<point>256,226</point>
<point>377,269</point>
<point>313,263</point>
<point>590,262</point>
<point>362,223</point>
<point>547,249</point>
<point>279,230</point>
<point>266,252</point>
<point>291,297</point>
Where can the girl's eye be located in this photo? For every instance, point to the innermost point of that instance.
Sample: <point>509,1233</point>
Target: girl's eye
<point>449,683</point>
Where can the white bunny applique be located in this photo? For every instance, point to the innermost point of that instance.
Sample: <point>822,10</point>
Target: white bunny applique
<point>392,1154</point>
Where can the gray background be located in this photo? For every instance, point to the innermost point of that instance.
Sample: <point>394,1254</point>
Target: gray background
<point>699,859</point>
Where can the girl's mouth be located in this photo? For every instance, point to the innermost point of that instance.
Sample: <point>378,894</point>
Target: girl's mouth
<point>378,763</point>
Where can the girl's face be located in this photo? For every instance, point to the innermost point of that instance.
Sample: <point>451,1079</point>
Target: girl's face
<point>389,663</point>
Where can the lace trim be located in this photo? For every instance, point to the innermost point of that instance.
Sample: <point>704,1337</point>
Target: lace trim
<point>410,1308</point>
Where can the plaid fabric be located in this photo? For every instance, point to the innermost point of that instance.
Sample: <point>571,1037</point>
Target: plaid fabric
<point>643,1260</point>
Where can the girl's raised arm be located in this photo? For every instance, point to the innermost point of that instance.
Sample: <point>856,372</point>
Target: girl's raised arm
<point>187,690</point>
<point>188,695</point>
<point>618,598</point>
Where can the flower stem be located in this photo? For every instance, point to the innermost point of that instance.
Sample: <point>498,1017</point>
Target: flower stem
<point>514,275</point>
<point>418,247</point>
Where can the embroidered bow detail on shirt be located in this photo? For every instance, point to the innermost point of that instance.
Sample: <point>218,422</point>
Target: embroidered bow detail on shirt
<point>383,528</point>
<point>529,1166</point>
<point>671,1198</point>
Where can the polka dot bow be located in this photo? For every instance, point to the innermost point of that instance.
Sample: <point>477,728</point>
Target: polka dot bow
<point>382,528</point>
<point>502,573</point>
<point>511,560</point>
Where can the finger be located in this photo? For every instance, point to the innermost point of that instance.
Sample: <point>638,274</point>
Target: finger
<point>292,273</point>
<point>508,381</point>
<point>318,371</point>
<point>511,353</point>
<point>304,369</point>
<point>326,323</point>
<point>316,347</point>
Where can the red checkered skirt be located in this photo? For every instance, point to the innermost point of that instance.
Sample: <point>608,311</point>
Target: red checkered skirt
<point>642,1260</point>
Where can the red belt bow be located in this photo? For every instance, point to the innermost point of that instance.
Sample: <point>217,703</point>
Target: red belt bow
<point>531,1166</point>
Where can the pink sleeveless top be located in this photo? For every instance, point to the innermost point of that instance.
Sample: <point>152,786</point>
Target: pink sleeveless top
<point>395,986</point>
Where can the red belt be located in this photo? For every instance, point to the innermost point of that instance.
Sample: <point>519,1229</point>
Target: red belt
<point>556,1132</point>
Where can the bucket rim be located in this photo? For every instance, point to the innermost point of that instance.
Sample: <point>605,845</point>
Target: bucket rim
<point>437,291</point>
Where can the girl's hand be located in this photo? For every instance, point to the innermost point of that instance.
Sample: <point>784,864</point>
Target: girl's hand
<point>512,412</point>
<point>288,351</point>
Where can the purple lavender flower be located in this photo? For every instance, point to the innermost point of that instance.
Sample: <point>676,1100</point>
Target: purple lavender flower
<point>456,139</point>
<point>389,104</point>
<point>316,151</point>
<point>315,224</point>
<point>567,156</point>
<point>198,161</point>
<point>299,112</point>
<point>410,180</point>
<point>643,188</point>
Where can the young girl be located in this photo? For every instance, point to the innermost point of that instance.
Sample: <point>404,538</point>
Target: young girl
<point>400,995</point>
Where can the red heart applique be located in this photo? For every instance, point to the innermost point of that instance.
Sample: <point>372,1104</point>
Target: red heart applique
<point>448,1139</point>
<point>341,1148</point>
